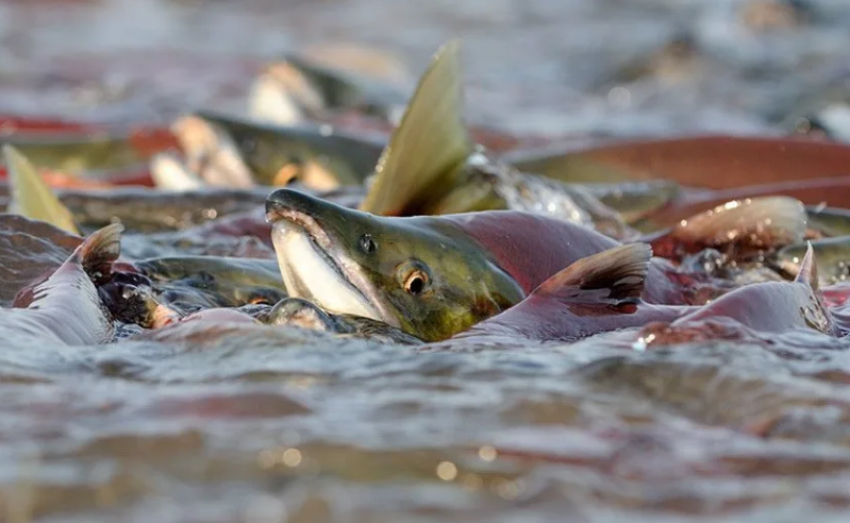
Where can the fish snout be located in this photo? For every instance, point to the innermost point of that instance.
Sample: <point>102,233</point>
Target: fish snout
<point>283,203</point>
<point>297,206</point>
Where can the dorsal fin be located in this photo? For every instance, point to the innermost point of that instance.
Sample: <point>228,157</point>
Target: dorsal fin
<point>31,196</point>
<point>808,272</point>
<point>427,151</point>
<point>99,251</point>
<point>767,222</point>
<point>620,273</point>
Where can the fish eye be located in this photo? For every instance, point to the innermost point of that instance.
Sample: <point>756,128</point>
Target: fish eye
<point>368,244</point>
<point>415,282</point>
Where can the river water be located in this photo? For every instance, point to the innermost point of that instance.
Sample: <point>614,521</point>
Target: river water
<point>288,425</point>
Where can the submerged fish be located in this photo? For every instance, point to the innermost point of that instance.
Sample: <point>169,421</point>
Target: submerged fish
<point>435,276</point>
<point>431,165</point>
<point>602,293</point>
<point>79,153</point>
<point>233,151</point>
<point>194,282</point>
<point>65,309</point>
<point>769,307</point>
<point>599,293</point>
<point>142,209</point>
<point>296,312</point>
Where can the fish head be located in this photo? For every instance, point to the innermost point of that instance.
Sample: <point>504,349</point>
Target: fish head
<point>418,274</point>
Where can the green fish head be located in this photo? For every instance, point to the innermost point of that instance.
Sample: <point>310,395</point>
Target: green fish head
<point>421,274</point>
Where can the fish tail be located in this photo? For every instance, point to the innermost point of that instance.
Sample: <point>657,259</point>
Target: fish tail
<point>99,251</point>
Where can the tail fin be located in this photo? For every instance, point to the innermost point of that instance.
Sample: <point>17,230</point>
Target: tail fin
<point>615,275</point>
<point>31,196</point>
<point>430,146</point>
<point>99,251</point>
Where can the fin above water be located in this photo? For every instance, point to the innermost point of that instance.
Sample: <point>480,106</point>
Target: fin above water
<point>428,149</point>
<point>621,271</point>
<point>99,251</point>
<point>31,196</point>
<point>767,222</point>
<point>808,272</point>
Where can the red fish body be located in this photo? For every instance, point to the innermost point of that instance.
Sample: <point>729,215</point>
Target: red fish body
<point>602,293</point>
<point>65,309</point>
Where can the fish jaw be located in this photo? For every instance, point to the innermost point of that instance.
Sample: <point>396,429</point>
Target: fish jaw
<point>313,269</point>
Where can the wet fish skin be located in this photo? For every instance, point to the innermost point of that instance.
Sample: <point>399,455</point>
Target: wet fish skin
<point>30,250</point>
<point>471,266</point>
<point>714,161</point>
<point>422,275</point>
<point>80,152</point>
<point>768,307</point>
<point>66,309</point>
<point>600,293</point>
<point>147,210</point>
<point>743,228</point>
<point>301,313</point>
<point>244,271</point>
<point>206,281</point>
<point>266,149</point>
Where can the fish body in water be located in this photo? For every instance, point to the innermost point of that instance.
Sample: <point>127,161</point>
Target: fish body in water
<point>757,309</point>
<point>602,293</point>
<point>80,153</point>
<point>711,161</point>
<point>142,209</point>
<point>599,293</point>
<point>436,276</point>
<point>194,282</point>
<point>66,309</point>
<point>296,312</point>
<point>233,151</point>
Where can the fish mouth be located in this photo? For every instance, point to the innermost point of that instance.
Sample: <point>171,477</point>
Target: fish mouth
<point>313,269</point>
